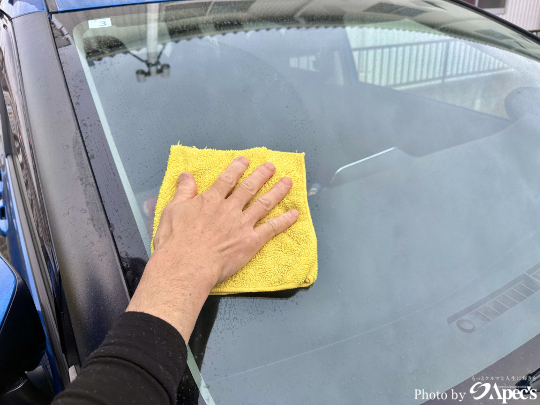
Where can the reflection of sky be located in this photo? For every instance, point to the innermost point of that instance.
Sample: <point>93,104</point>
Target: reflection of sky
<point>393,33</point>
<point>399,251</point>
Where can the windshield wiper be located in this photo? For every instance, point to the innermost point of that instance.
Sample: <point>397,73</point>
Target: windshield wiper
<point>530,382</point>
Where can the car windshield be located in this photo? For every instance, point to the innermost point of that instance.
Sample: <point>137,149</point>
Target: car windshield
<point>419,123</point>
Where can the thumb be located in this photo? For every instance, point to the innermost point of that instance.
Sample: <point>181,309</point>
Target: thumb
<point>187,188</point>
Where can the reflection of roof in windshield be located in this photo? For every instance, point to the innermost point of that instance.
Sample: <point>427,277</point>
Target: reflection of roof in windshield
<point>185,21</point>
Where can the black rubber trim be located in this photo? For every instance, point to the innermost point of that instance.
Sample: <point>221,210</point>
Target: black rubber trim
<point>131,249</point>
<point>87,259</point>
<point>498,19</point>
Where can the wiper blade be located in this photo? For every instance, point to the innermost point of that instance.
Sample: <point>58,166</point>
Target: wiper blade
<point>530,382</point>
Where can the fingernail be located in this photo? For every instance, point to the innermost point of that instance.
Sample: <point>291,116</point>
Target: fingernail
<point>270,166</point>
<point>287,181</point>
<point>242,159</point>
<point>184,176</point>
<point>294,213</point>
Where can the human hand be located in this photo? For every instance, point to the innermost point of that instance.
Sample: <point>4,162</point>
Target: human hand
<point>203,239</point>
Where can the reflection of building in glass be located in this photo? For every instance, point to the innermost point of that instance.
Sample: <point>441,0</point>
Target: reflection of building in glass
<point>524,13</point>
<point>398,58</point>
<point>433,65</point>
<point>493,6</point>
<point>422,62</point>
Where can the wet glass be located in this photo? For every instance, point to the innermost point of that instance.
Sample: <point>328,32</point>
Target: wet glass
<point>422,140</point>
<point>491,3</point>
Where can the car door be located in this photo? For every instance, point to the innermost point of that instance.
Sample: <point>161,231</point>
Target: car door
<point>31,256</point>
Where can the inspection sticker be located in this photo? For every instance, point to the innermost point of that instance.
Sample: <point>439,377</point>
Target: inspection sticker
<point>99,23</point>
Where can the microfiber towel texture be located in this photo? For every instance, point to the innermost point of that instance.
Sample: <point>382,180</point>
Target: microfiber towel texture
<point>289,260</point>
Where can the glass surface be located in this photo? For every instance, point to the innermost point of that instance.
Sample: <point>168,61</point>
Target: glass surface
<point>491,3</point>
<point>423,144</point>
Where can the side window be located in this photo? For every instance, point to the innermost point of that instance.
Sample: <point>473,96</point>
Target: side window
<point>493,6</point>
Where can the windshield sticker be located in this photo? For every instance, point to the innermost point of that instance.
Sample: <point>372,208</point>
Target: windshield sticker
<point>99,23</point>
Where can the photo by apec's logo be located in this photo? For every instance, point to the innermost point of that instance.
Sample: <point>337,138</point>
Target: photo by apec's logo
<point>489,391</point>
<point>481,391</point>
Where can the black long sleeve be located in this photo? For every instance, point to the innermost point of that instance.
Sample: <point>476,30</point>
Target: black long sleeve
<point>140,361</point>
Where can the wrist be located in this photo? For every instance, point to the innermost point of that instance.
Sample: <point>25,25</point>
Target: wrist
<point>185,271</point>
<point>176,299</point>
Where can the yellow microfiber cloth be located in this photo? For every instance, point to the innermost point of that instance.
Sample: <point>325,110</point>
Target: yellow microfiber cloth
<point>289,260</point>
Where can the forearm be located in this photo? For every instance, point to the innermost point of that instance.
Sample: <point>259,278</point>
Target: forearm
<point>177,300</point>
<point>140,361</point>
<point>202,239</point>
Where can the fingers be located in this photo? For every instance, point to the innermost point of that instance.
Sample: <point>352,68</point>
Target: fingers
<point>187,188</point>
<point>247,189</point>
<point>275,226</point>
<point>262,205</point>
<point>230,176</point>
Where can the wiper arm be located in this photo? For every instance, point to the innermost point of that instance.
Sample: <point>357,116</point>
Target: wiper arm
<point>530,382</point>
